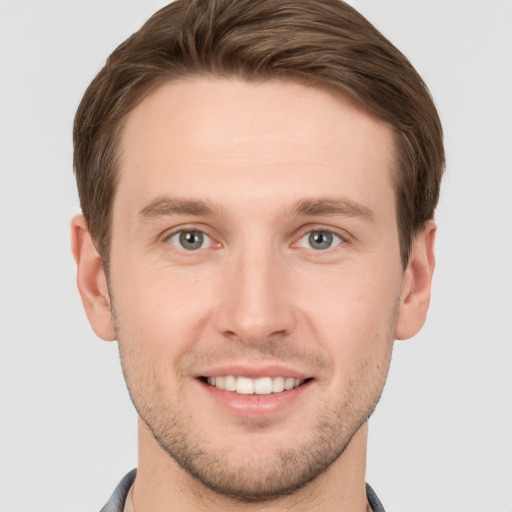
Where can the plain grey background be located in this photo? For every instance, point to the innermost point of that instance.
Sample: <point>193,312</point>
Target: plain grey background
<point>441,439</point>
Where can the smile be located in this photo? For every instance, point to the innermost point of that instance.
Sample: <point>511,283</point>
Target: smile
<point>260,386</point>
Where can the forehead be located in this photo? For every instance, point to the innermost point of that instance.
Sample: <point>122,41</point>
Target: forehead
<point>224,137</point>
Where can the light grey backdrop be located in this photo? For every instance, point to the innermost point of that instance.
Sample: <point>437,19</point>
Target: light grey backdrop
<point>441,439</point>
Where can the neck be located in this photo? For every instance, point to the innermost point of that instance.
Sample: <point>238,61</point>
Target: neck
<point>162,485</point>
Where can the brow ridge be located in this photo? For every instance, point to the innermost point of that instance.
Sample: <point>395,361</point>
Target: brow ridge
<point>167,206</point>
<point>332,206</point>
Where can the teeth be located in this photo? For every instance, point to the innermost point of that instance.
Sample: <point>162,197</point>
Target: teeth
<point>277,385</point>
<point>230,383</point>
<point>244,386</point>
<point>288,383</point>
<point>261,386</point>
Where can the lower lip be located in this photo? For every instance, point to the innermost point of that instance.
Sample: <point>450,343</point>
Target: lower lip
<point>255,405</point>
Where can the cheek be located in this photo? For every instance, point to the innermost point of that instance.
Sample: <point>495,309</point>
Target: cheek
<point>160,313</point>
<point>353,316</point>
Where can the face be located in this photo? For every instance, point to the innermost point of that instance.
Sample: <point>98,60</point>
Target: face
<point>255,277</point>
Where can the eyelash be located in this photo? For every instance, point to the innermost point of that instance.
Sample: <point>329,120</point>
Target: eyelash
<point>333,239</point>
<point>178,233</point>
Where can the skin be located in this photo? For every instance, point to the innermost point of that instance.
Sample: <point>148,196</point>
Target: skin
<point>255,168</point>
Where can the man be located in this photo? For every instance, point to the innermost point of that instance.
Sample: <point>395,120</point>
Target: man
<point>258,182</point>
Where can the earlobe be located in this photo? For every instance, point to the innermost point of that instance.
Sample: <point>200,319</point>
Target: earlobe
<point>417,284</point>
<point>91,280</point>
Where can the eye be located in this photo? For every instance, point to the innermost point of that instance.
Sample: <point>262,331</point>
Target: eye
<point>319,240</point>
<point>190,240</point>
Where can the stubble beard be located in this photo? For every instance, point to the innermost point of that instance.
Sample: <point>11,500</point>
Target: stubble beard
<point>254,477</point>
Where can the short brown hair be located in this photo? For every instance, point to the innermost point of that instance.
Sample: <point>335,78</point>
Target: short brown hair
<point>323,42</point>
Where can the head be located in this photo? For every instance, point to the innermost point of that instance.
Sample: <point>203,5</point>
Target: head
<point>259,179</point>
<point>320,42</point>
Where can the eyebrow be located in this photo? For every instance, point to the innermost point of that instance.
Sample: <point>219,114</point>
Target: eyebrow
<point>167,206</point>
<point>326,206</point>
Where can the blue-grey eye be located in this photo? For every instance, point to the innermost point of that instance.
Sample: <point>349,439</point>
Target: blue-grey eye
<point>190,240</point>
<point>319,240</point>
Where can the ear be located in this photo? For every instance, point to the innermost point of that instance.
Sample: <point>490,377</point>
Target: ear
<point>417,284</point>
<point>91,280</point>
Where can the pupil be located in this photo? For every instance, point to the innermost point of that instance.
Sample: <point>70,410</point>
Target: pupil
<point>320,240</point>
<point>191,240</point>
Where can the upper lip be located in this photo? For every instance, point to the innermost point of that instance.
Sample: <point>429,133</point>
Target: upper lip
<point>253,372</point>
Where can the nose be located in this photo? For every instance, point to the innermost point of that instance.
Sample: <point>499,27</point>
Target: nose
<point>256,303</point>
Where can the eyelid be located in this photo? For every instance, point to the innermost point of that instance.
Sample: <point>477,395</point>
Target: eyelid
<point>206,239</point>
<point>343,235</point>
<point>336,242</point>
<point>168,234</point>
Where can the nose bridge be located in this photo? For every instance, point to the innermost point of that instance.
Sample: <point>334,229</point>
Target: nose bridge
<point>255,303</point>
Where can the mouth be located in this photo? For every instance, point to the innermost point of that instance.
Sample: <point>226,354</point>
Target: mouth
<point>261,386</point>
